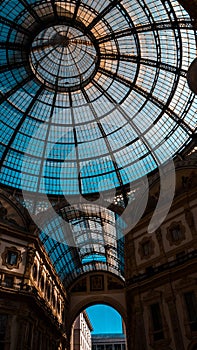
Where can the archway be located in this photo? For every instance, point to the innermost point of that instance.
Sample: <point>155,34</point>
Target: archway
<point>96,288</point>
<point>98,327</point>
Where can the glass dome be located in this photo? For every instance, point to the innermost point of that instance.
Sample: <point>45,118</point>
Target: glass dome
<point>93,93</point>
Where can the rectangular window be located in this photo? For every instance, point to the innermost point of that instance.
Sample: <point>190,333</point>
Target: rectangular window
<point>100,347</point>
<point>108,347</point>
<point>176,233</point>
<point>156,321</point>
<point>117,346</point>
<point>146,248</point>
<point>8,281</point>
<point>191,305</point>
<point>11,258</point>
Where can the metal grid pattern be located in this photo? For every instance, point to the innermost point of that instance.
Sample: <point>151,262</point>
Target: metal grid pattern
<point>93,96</point>
<point>92,240</point>
<point>93,93</point>
<point>63,57</point>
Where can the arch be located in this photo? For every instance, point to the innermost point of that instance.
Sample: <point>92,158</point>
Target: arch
<point>90,301</point>
<point>100,299</point>
<point>120,282</point>
<point>80,300</point>
<point>13,212</point>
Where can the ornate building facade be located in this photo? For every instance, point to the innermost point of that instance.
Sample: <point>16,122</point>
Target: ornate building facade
<point>94,105</point>
<point>161,270</point>
<point>33,299</point>
<point>81,333</point>
<point>157,300</point>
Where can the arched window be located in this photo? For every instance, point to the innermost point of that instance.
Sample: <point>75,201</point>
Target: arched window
<point>35,271</point>
<point>48,289</point>
<point>42,283</point>
<point>58,307</point>
<point>54,300</point>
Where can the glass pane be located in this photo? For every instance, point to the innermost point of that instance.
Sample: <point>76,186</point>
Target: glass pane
<point>96,103</point>
<point>8,281</point>
<point>12,258</point>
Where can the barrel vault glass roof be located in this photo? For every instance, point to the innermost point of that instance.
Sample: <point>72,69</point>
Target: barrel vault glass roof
<point>93,96</point>
<point>91,241</point>
<point>93,93</point>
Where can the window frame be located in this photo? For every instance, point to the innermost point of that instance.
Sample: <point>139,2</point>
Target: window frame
<point>189,310</point>
<point>170,236</point>
<point>4,256</point>
<point>150,243</point>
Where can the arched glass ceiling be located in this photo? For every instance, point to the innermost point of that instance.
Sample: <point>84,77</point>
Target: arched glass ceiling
<point>93,93</point>
<point>91,240</point>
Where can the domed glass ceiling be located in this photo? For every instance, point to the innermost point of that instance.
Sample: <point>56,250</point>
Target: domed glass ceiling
<point>93,93</point>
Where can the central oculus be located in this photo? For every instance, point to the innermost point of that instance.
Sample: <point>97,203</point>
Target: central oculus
<point>64,58</point>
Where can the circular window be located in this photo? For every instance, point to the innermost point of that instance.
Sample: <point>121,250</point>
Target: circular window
<point>63,57</point>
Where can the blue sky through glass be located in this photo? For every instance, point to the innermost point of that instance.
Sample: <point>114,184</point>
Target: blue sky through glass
<point>104,319</point>
<point>96,121</point>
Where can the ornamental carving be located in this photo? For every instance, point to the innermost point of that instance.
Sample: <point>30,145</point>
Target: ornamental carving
<point>11,258</point>
<point>175,233</point>
<point>31,252</point>
<point>146,248</point>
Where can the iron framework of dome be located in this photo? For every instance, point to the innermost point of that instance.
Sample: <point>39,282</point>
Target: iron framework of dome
<point>93,96</point>
<point>93,93</point>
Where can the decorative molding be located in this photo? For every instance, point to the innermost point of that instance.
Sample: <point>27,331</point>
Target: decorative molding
<point>5,261</point>
<point>18,208</point>
<point>189,217</point>
<point>186,284</point>
<point>152,296</point>
<point>97,283</point>
<point>175,233</point>
<point>146,247</point>
<point>159,237</point>
<point>31,252</point>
